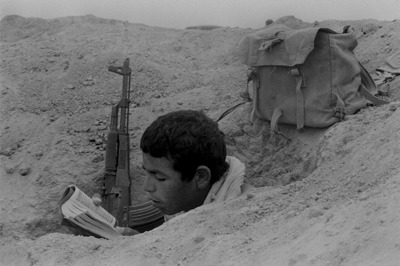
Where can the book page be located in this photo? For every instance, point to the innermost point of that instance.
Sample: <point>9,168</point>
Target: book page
<point>83,203</point>
<point>95,226</point>
<point>101,225</point>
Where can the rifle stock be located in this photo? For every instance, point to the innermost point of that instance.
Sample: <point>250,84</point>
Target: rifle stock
<point>116,192</point>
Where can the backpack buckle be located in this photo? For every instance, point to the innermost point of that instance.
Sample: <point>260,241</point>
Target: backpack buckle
<point>339,113</point>
<point>294,71</point>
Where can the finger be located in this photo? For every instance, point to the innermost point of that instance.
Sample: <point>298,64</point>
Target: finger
<point>96,198</point>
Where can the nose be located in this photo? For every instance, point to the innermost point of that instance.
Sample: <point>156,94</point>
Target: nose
<point>148,185</point>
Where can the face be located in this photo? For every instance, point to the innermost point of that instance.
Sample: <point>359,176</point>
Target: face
<point>165,187</point>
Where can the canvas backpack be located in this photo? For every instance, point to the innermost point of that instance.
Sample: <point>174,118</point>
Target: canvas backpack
<point>308,77</point>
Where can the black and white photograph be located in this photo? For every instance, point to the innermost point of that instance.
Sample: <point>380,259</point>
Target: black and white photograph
<point>200,132</point>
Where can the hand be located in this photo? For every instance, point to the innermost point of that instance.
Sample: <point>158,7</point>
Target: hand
<point>125,231</point>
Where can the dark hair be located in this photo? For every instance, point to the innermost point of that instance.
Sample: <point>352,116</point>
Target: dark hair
<point>189,139</point>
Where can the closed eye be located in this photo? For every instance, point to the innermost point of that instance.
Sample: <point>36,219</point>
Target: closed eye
<point>156,174</point>
<point>148,171</point>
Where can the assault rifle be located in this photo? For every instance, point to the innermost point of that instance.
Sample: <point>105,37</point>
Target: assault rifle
<point>116,189</point>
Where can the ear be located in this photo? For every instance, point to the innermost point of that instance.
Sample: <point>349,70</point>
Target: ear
<point>202,177</point>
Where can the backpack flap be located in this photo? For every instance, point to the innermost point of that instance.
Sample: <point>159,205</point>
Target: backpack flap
<point>276,45</point>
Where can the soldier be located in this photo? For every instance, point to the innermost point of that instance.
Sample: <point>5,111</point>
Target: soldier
<point>184,156</point>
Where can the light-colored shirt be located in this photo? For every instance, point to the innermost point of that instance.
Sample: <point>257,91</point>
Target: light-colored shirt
<point>231,185</point>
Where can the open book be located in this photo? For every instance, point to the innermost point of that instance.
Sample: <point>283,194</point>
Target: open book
<point>79,209</point>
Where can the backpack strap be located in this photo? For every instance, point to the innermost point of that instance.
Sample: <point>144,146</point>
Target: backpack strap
<point>274,120</point>
<point>256,85</point>
<point>300,109</point>
<point>370,97</point>
<point>230,110</point>
<point>340,107</point>
<point>368,85</point>
<point>245,93</point>
<point>277,112</point>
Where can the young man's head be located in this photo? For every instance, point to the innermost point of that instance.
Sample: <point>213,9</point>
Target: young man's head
<point>184,153</point>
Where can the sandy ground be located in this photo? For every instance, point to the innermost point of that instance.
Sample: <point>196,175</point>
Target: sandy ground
<point>329,197</point>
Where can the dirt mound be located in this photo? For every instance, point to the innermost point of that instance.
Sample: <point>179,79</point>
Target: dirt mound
<point>330,196</point>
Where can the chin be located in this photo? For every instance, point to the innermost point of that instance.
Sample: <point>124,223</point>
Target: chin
<point>168,212</point>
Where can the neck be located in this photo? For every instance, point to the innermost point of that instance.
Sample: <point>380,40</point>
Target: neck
<point>199,199</point>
